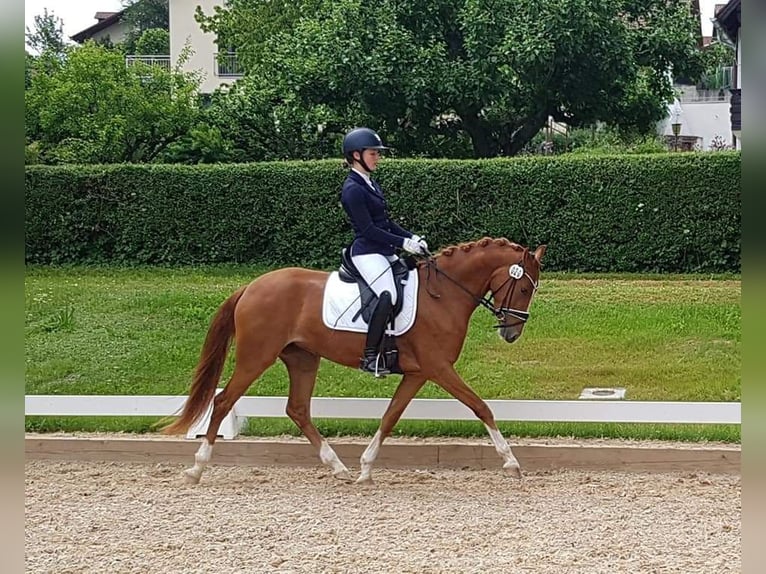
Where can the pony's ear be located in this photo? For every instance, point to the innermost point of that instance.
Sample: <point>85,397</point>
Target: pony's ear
<point>539,252</point>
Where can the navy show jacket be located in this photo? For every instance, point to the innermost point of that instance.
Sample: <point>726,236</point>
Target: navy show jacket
<point>374,232</point>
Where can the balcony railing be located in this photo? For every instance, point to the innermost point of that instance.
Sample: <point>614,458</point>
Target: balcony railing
<point>700,96</point>
<point>695,94</point>
<point>722,78</point>
<point>713,87</point>
<point>162,61</point>
<point>226,65</point>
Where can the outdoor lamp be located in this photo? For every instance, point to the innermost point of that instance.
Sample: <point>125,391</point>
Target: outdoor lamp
<point>676,127</point>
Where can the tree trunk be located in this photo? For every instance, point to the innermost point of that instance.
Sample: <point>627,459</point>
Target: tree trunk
<point>482,139</point>
<point>507,139</point>
<point>515,141</point>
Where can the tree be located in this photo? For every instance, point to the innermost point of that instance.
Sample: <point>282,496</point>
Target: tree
<point>29,62</point>
<point>46,39</point>
<point>261,125</point>
<point>91,108</point>
<point>491,71</point>
<point>47,35</point>
<point>145,14</point>
<point>141,16</point>
<point>203,144</point>
<point>153,41</point>
<point>715,57</point>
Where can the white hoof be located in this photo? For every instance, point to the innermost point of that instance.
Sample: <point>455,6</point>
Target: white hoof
<point>512,469</point>
<point>343,475</point>
<point>364,479</point>
<point>192,476</point>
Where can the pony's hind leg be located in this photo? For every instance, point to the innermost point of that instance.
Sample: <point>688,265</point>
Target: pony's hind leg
<point>451,382</point>
<point>243,377</point>
<point>302,367</point>
<point>407,389</point>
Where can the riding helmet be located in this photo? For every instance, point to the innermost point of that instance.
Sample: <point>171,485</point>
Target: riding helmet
<point>360,139</point>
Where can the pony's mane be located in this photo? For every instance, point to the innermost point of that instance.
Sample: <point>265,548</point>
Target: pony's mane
<point>480,243</point>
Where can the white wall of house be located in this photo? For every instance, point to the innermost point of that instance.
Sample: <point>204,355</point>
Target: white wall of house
<point>185,31</point>
<point>116,33</point>
<point>739,58</point>
<point>705,120</point>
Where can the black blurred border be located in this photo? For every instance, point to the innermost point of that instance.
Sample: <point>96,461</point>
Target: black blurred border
<point>753,285</point>
<point>11,288</point>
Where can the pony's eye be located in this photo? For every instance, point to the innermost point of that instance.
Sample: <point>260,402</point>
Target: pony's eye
<point>524,290</point>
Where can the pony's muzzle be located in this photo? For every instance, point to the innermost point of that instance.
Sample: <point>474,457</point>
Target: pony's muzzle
<point>510,334</point>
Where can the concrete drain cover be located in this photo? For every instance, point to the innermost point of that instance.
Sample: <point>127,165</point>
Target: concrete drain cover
<point>603,393</point>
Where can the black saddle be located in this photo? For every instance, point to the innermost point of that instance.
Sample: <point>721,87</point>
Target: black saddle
<point>350,274</point>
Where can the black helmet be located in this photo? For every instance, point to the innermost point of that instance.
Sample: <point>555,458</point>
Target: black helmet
<point>360,139</point>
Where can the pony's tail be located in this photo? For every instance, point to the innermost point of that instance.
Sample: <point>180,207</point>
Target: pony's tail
<point>209,368</point>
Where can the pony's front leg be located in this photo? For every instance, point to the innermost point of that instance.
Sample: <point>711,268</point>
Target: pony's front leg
<point>451,382</point>
<point>511,464</point>
<point>329,457</point>
<point>407,389</point>
<point>368,458</point>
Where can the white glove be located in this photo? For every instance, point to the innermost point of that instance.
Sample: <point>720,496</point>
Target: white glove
<point>422,242</point>
<point>412,246</point>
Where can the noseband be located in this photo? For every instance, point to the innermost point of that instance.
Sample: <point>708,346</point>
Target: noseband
<point>487,302</point>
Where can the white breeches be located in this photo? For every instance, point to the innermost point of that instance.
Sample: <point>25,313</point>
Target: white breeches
<point>376,270</point>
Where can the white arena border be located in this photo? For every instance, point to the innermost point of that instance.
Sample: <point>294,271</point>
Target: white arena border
<point>597,411</point>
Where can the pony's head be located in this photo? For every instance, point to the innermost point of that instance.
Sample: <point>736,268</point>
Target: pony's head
<point>513,285</point>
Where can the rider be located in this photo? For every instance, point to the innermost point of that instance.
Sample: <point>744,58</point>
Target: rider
<point>375,236</point>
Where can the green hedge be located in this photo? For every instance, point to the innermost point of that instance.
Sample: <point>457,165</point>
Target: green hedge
<point>661,212</point>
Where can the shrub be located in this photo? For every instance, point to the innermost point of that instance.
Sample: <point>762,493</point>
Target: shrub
<point>628,213</point>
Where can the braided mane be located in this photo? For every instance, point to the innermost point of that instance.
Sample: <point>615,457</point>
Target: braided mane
<point>483,242</point>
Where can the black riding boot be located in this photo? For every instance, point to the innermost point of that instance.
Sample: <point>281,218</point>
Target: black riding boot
<point>372,361</point>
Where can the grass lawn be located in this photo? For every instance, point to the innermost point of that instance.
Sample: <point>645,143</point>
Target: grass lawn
<point>139,331</point>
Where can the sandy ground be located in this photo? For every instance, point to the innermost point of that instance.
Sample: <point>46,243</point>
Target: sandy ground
<point>124,517</point>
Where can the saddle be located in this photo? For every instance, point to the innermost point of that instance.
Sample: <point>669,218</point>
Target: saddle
<point>348,273</point>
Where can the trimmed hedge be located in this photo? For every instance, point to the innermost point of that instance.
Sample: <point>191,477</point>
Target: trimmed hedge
<point>660,212</point>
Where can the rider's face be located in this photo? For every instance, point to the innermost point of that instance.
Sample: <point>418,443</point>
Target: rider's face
<point>371,158</point>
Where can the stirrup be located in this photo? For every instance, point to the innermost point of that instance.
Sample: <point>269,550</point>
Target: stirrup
<point>375,365</point>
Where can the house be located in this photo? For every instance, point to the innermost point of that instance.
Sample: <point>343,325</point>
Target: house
<point>217,69</point>
<point>699,118</point>
<point>728,21</point>
<point>195,50</point>
<point>109,26</point>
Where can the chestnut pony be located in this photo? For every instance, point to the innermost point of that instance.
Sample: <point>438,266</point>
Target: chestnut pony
<point>279,316</point>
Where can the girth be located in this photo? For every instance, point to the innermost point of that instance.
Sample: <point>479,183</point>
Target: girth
<point>348,273</point>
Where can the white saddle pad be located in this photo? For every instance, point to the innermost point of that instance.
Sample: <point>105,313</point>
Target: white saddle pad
<point>341,302</point>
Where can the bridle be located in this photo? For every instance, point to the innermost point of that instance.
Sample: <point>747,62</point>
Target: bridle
<point>516,273</point>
